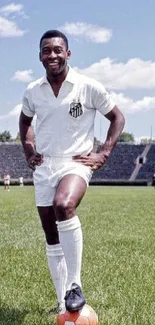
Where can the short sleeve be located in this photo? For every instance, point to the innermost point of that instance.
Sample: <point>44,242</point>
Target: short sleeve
<point>27,105</point>
<point>101,99</point>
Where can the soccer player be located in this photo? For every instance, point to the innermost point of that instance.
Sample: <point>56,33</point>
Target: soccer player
<point>153,180</point>
<point>65,103</point>
<point>21,181</point>
<point>7,182</point>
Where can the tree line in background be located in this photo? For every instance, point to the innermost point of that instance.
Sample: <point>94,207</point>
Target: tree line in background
<point>124,137</point>
<point>7,137</point>
<point>129,137</point>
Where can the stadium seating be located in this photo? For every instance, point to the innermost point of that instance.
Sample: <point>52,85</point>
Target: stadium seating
<point>12,161</point>
<point>148,168</point>
<point>120,165</point>
<point>121,162</point>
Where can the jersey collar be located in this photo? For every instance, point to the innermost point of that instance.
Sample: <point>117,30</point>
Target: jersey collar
<point>71,77</point>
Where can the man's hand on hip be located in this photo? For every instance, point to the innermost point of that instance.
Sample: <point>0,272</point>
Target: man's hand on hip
<point>92,160</point>
<point>35,160</point>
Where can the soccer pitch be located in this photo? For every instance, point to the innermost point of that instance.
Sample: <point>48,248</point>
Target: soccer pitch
<point>118,273</point>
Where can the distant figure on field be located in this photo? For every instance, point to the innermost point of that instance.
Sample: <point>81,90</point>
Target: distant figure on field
<point>7,182</point>
<point>21,181</point>
<point>153,180</point>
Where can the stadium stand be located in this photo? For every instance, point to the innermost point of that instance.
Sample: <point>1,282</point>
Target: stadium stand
<point>148,168</point>
<point>121,162</point>
<point>126,162</point>
<point>12,161</point>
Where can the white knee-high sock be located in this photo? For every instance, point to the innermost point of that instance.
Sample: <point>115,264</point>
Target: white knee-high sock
<point>71,240</point>
<point>58,270</point>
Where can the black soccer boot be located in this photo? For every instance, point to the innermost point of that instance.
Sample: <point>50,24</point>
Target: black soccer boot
<point>74,299</point>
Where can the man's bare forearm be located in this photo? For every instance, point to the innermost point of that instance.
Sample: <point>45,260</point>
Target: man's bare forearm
<point>27,137</point>
<point>114,131</point>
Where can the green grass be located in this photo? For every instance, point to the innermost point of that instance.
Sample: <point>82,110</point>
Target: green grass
<point>118,272</point>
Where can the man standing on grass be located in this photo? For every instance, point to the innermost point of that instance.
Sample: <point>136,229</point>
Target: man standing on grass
<point>153,180</point>
<point>65,104</point>
<point>7,182</point>
<point>21,181</point>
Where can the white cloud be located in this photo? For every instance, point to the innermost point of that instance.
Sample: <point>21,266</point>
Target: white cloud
<point>15,111</point>
<point>135,73</point>
<point>139,139</point>
<point>23,76</point>
<point>90,32</point>
<point>9,28</point>
<point>12,8</point>
<point>128,105</point>
<point>11,120</point>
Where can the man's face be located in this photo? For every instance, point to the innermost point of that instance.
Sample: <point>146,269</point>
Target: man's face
<point>54,55</point>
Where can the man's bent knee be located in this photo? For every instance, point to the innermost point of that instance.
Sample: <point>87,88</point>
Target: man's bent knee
<point>64,208</point>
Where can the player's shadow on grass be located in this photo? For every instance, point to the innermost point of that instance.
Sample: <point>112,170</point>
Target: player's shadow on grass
<point>12,316</point>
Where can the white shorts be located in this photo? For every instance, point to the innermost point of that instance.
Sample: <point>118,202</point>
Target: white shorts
<point>47,177</point>
<point>7,182</point>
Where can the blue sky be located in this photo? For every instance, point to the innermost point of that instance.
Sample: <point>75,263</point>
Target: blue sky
<point>112,41</point>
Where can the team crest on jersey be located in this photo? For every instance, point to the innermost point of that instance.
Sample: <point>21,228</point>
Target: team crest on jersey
<point>75,109</point>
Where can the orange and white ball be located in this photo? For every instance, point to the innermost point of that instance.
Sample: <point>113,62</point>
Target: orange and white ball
<point>85,316</point>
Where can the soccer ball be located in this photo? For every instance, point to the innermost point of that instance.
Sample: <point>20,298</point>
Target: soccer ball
<point>85,316</point>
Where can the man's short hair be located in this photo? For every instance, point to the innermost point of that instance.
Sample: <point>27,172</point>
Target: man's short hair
<point>54,33</point>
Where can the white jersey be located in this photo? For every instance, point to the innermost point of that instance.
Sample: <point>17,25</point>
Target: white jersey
<point>7,177</point>
<point>65,124</point>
